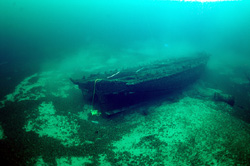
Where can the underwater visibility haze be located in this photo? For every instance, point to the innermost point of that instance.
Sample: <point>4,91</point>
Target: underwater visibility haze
<point>46,45</point>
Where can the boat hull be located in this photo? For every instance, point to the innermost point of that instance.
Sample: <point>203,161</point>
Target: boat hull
<point>115,94</point>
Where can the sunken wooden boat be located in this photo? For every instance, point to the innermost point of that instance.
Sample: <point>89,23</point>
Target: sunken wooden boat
<point>115,91</point>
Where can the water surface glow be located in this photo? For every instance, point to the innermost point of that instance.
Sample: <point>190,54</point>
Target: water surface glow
<point>207,0</point>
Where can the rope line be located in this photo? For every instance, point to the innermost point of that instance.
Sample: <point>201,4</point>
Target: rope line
<point>93,97</point>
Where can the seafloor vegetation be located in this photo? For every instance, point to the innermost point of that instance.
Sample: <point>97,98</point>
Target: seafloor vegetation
<point>45,122</point>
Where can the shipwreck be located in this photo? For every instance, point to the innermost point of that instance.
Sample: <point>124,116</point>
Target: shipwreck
<point>114,91</point>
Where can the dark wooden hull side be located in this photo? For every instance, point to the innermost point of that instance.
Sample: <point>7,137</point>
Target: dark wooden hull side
<point>110,103</point>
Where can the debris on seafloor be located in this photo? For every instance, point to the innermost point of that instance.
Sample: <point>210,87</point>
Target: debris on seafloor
<point>229,99</point>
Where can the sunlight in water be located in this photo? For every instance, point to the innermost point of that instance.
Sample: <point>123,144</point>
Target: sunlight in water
<point>209,0</point>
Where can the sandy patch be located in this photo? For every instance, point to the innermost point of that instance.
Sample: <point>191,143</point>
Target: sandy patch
<point>41,85</point>
<point>187,132</point>
<point>56,126</point>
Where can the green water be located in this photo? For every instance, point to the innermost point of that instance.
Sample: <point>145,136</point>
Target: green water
<point>45,121</point>
<point>62,28</point>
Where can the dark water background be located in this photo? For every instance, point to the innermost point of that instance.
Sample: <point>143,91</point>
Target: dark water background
<point>35,35</point>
